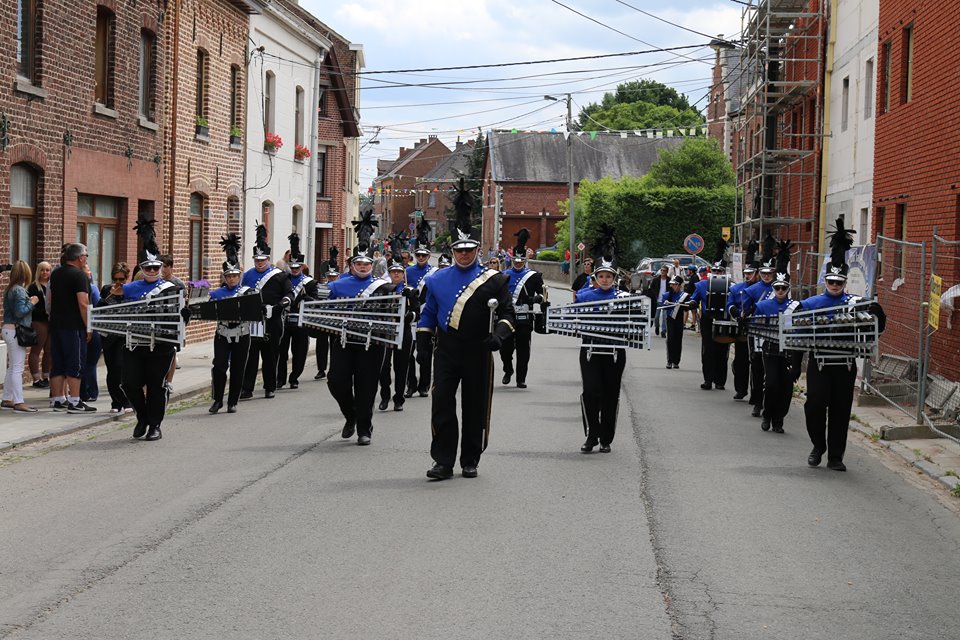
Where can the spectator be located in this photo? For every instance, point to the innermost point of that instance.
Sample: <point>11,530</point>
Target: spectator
<point>40,367</point>
<point>565,263</point>
<point>379,265</point>
<point>531,254</point>
<point>69,299</point>
<point>113,345</point>
<point>89,388</point>
<point>494,263</point>
<point>583,279</point>
<point>17,310</point>
<point>166,273</point>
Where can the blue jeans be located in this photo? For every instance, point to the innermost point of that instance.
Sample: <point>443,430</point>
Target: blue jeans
<point>89,388</point>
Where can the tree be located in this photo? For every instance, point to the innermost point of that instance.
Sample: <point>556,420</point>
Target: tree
<point>646,92</point>
<point>473,177</point>
<point>698,162</point>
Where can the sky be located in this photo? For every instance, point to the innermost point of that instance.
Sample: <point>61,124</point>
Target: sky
<point>401,35</point>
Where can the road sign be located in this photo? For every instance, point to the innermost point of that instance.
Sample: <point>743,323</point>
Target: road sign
<point>693,244</point>
<point>413,226</point>
<point>418,214</point>
<point>725,233</point>
<point>936,288</point>
<point>581,246</point>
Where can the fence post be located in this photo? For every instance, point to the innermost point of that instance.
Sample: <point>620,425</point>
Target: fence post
<point>921,363</point>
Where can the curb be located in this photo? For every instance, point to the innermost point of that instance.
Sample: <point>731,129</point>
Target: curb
<point>932,470</point>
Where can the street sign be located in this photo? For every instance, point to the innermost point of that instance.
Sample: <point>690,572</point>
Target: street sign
<point>936,288</point>
<point>418,214</point>
<point>413,226</point>
<point>725,233</point>
<point>581,246</point>
<point>693,244</point>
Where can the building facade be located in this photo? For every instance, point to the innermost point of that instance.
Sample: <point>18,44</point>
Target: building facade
<point>395,189</point>
<point>432,201</point>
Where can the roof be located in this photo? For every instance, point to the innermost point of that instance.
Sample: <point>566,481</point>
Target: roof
<point>542,157</point>
<point>408,155</point>
<point>248,6</point>
<point>452,165</point>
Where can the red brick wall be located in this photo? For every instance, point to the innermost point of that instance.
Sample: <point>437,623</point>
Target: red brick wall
<point>717,107</point>
<point>916,165</point>
<point>398,209</point>
<point>528,205</point>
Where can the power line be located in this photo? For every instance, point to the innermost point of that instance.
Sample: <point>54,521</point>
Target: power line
<point>674,24</point>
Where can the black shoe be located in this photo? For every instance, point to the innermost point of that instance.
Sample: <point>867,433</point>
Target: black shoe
<point>320,375</point>
<point>669,365</point>
<point>778,426</point>
<point>521,385</point>
<point>836,465</point>
<point>440,472</point>
<point>815,457</point>
<point>59,405</point>
<point>424,394</point>
<point>80,407</point>
<point>348,429</point>
<point>231,408</point>
<point>246,395</point>
<point>506,377</point>
<point>765,424</point>
<point>140,429</point>
<point>706,386</point>
<point>739,397</point>
<point>757,411</point>
<point>216,406</point>
<point>409,393</point>
<point>604,448</point>
<point>363,441</point>
<point>281,386</point>
<point>469,471</point>
<point>587,447</point>
<point>294,384</point>
<point>398,407</point>
<point>384,403</point>
<point>720,387</point>
<point>269,394</point>
<point>153,434</point>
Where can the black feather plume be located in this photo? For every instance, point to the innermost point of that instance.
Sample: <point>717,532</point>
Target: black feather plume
<point>605,246</point>
<point>751,256</point>
<point>769,248</point>
<point>522,236</point>
<point>148,236</point>
<point>294,239</point>
<point>840,242</point>
<point>463,207</point>
<point>231,247</point>
<point>783,256</point>
<point>721,252</point>
<point>261,247</point>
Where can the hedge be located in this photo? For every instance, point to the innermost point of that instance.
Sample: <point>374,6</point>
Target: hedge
<point>550,256</point>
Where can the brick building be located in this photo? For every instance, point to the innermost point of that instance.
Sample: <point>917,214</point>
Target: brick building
<point>81,132</point>
<point>916,185</point>
<point>395,188</point>
<point>432,196</point>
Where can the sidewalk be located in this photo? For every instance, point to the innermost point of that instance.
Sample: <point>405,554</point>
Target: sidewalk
<point>937,457</point>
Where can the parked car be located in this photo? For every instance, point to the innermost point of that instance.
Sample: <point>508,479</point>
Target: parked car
<point>648,268</point>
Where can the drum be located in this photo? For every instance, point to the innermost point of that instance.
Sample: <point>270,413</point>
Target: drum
<point>726,331</point>
<point>540,320</point>
<point>718,287</point>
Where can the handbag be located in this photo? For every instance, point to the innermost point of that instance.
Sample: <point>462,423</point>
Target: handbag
<point>26,336</point>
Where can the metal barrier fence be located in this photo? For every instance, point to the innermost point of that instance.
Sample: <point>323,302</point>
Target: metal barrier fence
<point>942,346</point>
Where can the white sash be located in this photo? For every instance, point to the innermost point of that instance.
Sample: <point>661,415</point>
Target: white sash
<point>519,288</point>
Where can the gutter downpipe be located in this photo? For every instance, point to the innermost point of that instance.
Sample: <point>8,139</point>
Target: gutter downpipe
<point>311,227</point>
<point>173,124</point>
<point>825,147</point>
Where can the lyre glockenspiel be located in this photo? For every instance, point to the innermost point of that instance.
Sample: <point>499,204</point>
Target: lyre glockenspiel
<point>363,321</point>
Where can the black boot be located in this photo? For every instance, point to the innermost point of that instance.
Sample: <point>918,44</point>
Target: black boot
<point>439,472</point>
<point>384,403</point>
<point>216,406</point>
<point>587,447</point>
<point>765,424</point>
<point>153,433</point>
<point>506,376</point>
<point>140,429</point>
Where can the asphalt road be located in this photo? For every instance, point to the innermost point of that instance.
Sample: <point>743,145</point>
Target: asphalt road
<point>267,525</point>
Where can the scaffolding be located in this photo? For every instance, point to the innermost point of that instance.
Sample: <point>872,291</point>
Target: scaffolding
<point>779,126</point>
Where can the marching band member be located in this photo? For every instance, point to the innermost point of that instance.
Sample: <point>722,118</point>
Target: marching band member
<point>600,373</point>
<point>355,368</point>
<point>145,366</point>
<point>277,294</point>
<point>398,357</point>
<point>322,337</point>
<point>231,343</point>
<point>673,305</point>
<point>295,337</point>
<point>526,289</point>
<point>417,279</point>
<point>749,299</point>
<point>741,352</point>
<point>713,355</point>
<point>830,387</point>
<point>459,309</point>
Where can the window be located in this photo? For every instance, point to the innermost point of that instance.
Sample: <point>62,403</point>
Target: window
<point>234,96</point>
<point>297,220</point>
<point>432,200</point>
<point>27,39</point>
<point>907,90</point>
<point>322,103</point>
<point>148,73</point>
<point>298,117</point>
<point>202,71</point>
<point>195,262</point>
<point>900,233</point>
<point>868,90</point>
<point>266,215</point>
<point>864,222</point>
<point>881,222</point>
<point>321,171</point>
<point>270,86</point>
<point>886,63</point>
<point>23,213</point>
<point>97,219</point>
<point>845,104</point>
<point>103,91</point>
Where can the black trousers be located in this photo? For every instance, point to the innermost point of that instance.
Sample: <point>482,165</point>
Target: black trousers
<point>778,387</point>
<point>323,351</point>
<point>601,376</point>
<point>297,339</point>
<point>354,372</point>
<point>266,350</point>
<point>828,405</point>
<point>232,357</point>
<point>756,376</point>
<point>674,339</point>
<point>396,361</point>
<point>519,342</point>
<point>113,350</point>
<point>713,355</point>
<point>470,367</point>
<point>143,368</point>
<point>741,367</point>
<point>423,383</point>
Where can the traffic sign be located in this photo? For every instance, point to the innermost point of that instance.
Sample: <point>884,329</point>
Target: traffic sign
<point>413,226</point>
<point>693,244</point>
<point>725,233</point>
<point>581,246</point>
<point>418,214</point>
<point>936,288</point>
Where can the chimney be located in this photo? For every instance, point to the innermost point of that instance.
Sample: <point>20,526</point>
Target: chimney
<point>431,138</point>
<point>403,150</point>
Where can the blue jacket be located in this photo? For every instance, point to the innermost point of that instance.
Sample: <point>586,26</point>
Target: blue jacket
<point>445,286</point>
<point>753,294</point>
<point>770,307</point>
<point>515,277</point>
<point>416,273</point>
<point>826,301</point>
<point>224,292</point>
<point>137,289</point>
<point>595,295</point>
<point>349,286</point>
<point>17,308</point>
<point>733,298</point>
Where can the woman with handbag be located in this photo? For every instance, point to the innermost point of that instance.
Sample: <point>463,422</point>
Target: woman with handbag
<point>40,367</point>
<point>18,334</point>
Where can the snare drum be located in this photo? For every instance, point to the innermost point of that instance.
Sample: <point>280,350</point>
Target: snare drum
<point>726,331</point>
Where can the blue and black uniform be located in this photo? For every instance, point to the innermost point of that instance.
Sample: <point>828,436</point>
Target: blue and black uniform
<point>397,361</point>
<point>741,353</point>
<point>750,297</point>
<point>417,278</point>
<point>295,337</point>
<point>675,318</point>
<point>600,374</point>
<point>231,345</point>
<point>781,369</point>
<point>713,354</point>
<point>276,293</point>
<point>526,289</point>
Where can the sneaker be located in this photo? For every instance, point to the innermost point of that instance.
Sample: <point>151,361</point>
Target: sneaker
<point>320,375</point>
<point>41,384</point>
<point>59,406</point>
<point>115,410</point>
<point>80,407</point>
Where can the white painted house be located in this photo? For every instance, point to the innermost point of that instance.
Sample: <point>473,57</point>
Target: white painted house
<point>283,93</point>
<point>852,118</point>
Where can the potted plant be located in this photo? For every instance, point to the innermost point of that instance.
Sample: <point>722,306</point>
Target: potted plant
<point>202,127</point>
<point>272,142</point>
<point>300,152</point>
<point>236,134</point>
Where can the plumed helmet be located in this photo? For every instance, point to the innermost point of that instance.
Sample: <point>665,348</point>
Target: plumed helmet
<point>231,247</point>
<point>150,255</point>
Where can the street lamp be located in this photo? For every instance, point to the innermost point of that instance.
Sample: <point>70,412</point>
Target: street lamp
<point>571,219</point>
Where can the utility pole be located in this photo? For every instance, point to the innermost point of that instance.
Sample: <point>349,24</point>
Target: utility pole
<point>571,216</point>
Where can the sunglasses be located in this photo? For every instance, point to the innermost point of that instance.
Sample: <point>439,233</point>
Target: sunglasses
<point>780,287</point>
<point>119,279</point>
<point>835,282</point>
<point>464,250</point>
<point>151,268</point>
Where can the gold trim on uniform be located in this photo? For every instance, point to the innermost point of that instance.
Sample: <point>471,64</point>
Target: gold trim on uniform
<point>465,296</point>
<point>508,323</point>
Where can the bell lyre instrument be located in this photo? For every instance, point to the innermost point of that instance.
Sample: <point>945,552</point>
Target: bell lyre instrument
<point>142,323</point>
<point>604,326</point>
<point>361,321</point>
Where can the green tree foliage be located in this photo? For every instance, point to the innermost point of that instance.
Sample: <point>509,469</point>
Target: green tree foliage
<point>699,162</point>
<point>474,178</point>
<point>646,104</point>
